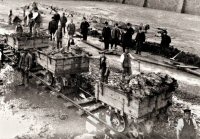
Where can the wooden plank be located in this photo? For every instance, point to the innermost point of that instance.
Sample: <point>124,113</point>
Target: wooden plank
<point>80,102</point>
<point>90,108</point>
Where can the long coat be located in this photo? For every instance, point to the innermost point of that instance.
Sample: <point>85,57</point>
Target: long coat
<point>106,33</point>
<point>71,28</point>
<point>84,27</point>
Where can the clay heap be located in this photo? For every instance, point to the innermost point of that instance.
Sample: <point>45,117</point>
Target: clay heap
<point>141,85</point>
<point>148,84</point>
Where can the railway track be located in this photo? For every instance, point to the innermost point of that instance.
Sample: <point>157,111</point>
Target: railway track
<point>166,64</point>
<point>10,59</point>
<point>85,107</point>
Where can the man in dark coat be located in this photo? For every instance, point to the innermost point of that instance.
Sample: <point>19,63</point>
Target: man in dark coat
<point>19,29</point>
<point>104,68</point>
<point>84,28</point>
<point>63,21</point>
<point>25,64</point>
<point>31,22</point>
<point>187,126</point>
<point>53,26</point>
<point>115,33</point>
<point>165,41</point>
<point>57,17</point>
<point>71,28</point>
<point>127,37</point>
<point>59,36</point>
<point>140,39</point>
<point>106,33</point>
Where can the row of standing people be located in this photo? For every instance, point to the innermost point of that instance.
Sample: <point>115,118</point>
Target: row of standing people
<point>113,36</point>
<point>56,30</point>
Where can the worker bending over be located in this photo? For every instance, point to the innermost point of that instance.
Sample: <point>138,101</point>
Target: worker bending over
<point>104,68</point>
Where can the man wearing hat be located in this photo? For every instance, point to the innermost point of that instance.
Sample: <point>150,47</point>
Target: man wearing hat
<point>104,68</point>
<point>25,64</point>
<point>140,39</point>
<point>106,34</point>
<point>186,128</point>
<point>59,35</point>
<point>84,28</point>
<point>125,60</point>
<point>127,37</point>
<point>53,26</point>
<point>165,41</point>
<point>63,21</point>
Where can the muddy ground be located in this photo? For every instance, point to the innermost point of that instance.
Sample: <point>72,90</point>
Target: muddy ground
<point>35,113</point>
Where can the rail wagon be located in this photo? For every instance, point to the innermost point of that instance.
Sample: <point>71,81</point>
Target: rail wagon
<point>25,41</point>
<point>62,67</point>
<point>127,112</point>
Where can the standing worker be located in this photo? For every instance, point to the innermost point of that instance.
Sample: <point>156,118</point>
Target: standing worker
<point>59,36</point>
<point>84,28</point>
<point>25,64</point>
<point>104,68</point>
<point>30,22</point>
<point>71,28</point>
<point>187,127</point>
<point>125,60</point>
<point>19,28</point>
<point>10,17</point>
<point>106,33</point>
<point>57,16</point>
<point>127,37</point>
<point>140,39</point>
<point>53,26</point>
<point>63,21</point>
<point>37,19</point>
<point>115,33</point>
<point>165,41</point>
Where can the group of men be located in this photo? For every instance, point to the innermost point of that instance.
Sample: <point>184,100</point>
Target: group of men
<point>32,19</point>
<point>113,36</point>
<point>186,128</point>
<point>57,26</point>
<point>116,36</point>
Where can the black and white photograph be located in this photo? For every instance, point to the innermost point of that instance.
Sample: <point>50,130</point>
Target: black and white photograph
<point>100,69</point>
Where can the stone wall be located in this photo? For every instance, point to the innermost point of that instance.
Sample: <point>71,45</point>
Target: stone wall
<point>192,7</point>
<point>181,6</point>
<point>169,5</point>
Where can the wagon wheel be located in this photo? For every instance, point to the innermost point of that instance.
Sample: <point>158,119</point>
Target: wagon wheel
<point>58,84</point>
<point>118,122</point>
<point>49,78</point>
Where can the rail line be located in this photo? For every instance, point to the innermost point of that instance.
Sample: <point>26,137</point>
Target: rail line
<point>162,64</point>
<point>9,55</point>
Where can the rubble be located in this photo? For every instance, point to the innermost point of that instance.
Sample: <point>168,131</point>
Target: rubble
<point>141,85</point>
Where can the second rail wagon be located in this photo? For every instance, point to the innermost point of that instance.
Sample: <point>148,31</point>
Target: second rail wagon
<point>62,67</point>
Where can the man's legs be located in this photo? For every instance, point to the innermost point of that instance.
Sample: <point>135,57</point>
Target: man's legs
<point>106,45</point>
<point>63,28</point>
<point>58,43</point>
<point>84,36</point>
<point>26,76</point>
<point>112,43</point>
<point>30,29</point>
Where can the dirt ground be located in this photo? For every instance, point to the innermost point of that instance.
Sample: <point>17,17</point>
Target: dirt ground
<point>36,113</point>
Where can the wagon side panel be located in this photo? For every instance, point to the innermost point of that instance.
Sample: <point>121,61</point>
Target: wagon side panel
<point>117,100</point>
